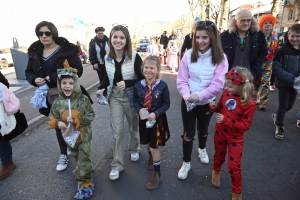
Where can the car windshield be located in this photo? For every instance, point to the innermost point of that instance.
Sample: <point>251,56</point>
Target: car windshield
<point>144,41</point>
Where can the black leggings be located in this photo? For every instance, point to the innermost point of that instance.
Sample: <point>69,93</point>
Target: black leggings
<point>62,144</point>
<point>202,115</point>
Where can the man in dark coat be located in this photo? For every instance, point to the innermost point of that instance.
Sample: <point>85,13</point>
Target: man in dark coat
<point>244,44</point>
<point>164,41</point>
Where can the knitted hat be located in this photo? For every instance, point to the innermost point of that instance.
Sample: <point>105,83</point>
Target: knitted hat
<point>265,18</point>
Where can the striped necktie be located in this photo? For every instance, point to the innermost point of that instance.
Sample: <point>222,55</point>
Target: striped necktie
<point>148,96</point>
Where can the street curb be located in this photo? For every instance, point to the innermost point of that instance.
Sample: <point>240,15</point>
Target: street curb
<point>42,118</point>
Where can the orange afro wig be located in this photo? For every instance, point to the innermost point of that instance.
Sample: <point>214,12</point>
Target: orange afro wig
<point>265,18</point>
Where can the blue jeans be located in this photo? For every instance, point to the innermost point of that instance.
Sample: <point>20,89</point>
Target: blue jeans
<point>287,97</point>
<point>5,153</point>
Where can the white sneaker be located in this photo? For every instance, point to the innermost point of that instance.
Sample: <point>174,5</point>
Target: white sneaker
<point>184,170</point>
<point>135,156</point>
<point>114,174</point>
<point>62,162</point>
<point>203,156</point>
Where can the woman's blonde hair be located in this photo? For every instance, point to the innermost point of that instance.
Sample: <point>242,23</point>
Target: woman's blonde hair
<point>156,60</point>
<point>247,84</point>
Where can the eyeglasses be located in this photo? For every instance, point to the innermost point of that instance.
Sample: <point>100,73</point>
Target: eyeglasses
<point>123,25</point>
<point>47,33</point>
<point>206,24</point>
<point>246,20</point>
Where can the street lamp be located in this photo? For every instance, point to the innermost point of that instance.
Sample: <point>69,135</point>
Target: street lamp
<point>258,4</point>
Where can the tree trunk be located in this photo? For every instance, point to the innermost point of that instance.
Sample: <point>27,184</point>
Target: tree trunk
<point>224,15</point>
<point>275,8</point>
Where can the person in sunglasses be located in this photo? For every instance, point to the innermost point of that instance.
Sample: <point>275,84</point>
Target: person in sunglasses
<point>46,56</point>
<point>199,80</point>
<point>123,70</point>
<point>244,44</point>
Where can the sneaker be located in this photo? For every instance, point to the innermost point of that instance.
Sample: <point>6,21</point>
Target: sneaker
<point>203,156</point>
<point>62,162</point>
<point>279,133</point>
<point>184,170</point>
<point>272,88</point>
<point>135,156</point>
<point>262,107</point>
<point>114,174</point>
<point>274,117</point>
<point>298,123</point>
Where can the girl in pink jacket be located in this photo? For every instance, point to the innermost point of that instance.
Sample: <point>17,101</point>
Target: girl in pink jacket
<point>200,79</point>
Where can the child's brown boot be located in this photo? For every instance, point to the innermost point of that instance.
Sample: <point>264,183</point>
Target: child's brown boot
<point>236,196</point>
<point>150,162</point>
<point>155,179</point>
<point>6,170</point>
<point>215,178</point>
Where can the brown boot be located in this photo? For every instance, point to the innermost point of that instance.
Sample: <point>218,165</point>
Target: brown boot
<point>155,179</point>
<point>150,163</point>
<point>215,178</point>
<point>236,196</point>
<point>6,170</point>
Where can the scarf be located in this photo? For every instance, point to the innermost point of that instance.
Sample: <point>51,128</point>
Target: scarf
<point>101,44</point>
<point>148,96</point>
<point>241,41</point>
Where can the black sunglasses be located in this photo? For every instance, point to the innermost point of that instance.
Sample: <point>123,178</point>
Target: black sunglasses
<point>47,33</point>
<point>206,24</point>
<point>123,25</point>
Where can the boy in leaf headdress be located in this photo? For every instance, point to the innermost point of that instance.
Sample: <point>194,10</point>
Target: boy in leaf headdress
<point>82,115</point>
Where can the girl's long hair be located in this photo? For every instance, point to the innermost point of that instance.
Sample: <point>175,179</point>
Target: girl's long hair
<point>215,43</point>
<point>248,90</point>
<point>128,47</point>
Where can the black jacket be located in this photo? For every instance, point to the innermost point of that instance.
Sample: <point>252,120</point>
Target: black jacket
<point>258,51</point>
<point>93,56</point>
<point>187,43</point>
<point>34,65</point>
<point>286,65</point>
<point>164,41</point>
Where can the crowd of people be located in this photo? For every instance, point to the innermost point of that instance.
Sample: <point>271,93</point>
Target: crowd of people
<point>238,62</point>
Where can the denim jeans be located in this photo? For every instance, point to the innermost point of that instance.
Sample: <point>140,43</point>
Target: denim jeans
<point>287,97</point>
<point>5,152</point>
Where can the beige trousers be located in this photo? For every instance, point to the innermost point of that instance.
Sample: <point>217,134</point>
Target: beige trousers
<point>119,108</point>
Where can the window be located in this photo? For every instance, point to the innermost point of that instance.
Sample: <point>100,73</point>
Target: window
<point>291,12</point>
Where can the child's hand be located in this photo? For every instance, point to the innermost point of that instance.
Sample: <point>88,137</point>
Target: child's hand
<point>193,98</point>
<point>121,85</point>
<point>62,126</point>
<point>142,112</point>
<point>219,118</point>
<point>70,119</point>
<point>99,92</point>
<point>151,117</point>
<point>212,105</point>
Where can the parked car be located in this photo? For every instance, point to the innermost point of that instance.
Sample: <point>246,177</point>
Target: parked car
<point>142,45</point>
<point>5,59</point>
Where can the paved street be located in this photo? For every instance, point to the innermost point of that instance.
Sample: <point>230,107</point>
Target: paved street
<point>270,167</point>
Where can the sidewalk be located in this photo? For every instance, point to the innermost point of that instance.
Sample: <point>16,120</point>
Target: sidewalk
<point>24,91</point>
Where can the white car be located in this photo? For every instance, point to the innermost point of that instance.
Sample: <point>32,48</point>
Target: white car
<point>5,60</point>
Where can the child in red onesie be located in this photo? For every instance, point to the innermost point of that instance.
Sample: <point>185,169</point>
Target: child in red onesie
<point>235,112</point>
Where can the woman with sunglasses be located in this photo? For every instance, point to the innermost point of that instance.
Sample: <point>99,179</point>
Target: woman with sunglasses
<point>200,79</point>
<point>123,70</point>
<point>46,56</point>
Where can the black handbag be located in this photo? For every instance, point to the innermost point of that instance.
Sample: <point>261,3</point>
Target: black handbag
<point>21,126</point>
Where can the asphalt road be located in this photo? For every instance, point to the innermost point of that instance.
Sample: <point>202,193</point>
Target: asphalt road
<point>270,167</point>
